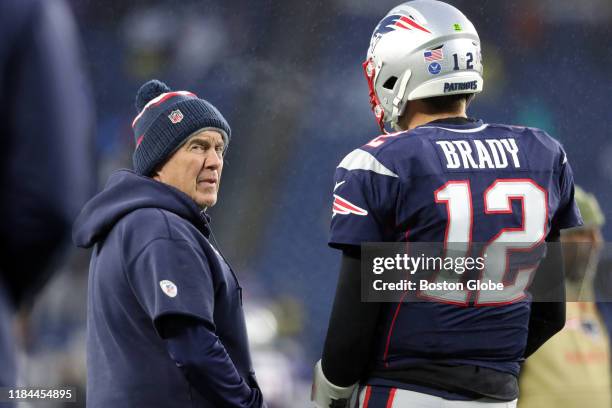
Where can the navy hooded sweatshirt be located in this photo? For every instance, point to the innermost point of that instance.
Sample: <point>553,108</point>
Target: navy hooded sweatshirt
<point>165,321</point>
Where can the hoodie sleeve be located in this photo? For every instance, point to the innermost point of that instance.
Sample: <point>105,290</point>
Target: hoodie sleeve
<point>202,358</point>
<point>173,283</point>
<point>170,277</point>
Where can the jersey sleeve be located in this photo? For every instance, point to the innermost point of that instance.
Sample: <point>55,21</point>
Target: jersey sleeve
<point>364,197</point>
<point>172,277</point>
<point>567,214</point>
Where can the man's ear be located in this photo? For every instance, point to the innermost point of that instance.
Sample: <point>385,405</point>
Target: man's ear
<point>157,174</point>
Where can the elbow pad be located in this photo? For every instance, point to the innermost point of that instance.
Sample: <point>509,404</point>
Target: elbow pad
<point>327,395</point>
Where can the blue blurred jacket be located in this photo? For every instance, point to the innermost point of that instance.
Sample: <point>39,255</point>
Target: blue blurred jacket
<point>47,168</point>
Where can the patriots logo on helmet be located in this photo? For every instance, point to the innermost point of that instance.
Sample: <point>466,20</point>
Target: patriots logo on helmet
<point>398,22</point>
<point>344,207</point>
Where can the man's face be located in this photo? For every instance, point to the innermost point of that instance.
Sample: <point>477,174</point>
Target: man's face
<point>581,250</point>
<point>195,168</point>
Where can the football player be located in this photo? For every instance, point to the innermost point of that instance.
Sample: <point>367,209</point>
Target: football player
<point>448,178</point>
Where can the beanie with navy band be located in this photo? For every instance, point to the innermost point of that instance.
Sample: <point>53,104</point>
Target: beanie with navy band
<point>165,120</point>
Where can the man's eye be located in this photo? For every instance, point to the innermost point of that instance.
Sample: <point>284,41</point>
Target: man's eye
<point>220,149</point>
<point>198,147</point>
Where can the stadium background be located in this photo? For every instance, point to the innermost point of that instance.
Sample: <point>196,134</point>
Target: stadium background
<point>287,75</point>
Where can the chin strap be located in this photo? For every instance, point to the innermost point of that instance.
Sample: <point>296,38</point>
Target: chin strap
<point>398,108</point>
<point>327,395</point>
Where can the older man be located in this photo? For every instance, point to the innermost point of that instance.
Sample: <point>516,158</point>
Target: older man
<point>165,319</point>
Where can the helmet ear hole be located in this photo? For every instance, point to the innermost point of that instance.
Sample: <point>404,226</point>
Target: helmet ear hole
<point>390,83</point>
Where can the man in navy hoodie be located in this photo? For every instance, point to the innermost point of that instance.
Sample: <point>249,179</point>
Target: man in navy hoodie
<point>165,321</point>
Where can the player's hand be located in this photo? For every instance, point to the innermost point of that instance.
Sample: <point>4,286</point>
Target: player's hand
<point>327,395</point>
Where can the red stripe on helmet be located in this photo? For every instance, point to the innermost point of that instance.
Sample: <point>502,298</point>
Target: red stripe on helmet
<point>398,23</point>
<point>414,24</point>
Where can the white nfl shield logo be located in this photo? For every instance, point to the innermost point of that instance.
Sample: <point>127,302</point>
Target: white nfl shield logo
<point>175,116</point>
<point>169,288</point>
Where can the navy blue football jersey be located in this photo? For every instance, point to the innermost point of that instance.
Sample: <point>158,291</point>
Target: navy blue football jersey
<point>454,181</point>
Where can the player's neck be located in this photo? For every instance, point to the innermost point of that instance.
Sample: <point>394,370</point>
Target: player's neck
<point>417,114</point>
<point>419,119</point>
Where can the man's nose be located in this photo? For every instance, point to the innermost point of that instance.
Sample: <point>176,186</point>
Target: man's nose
<point>213,159</point>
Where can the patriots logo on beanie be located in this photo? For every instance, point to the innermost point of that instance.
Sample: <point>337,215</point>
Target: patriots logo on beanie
<point>176,116</point>
<point>157,137</point>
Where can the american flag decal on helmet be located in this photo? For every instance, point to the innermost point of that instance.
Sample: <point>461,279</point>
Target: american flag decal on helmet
<point>344,207</point>
<point>436,54</point>
<point>398,22</point>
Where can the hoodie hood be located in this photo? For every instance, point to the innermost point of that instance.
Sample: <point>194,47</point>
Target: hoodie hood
<point>125,192</point>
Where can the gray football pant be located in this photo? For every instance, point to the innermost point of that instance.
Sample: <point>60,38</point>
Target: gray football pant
<point>381,397</point>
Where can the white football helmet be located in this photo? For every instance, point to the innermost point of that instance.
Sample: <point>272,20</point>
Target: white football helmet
<point>421,49</point>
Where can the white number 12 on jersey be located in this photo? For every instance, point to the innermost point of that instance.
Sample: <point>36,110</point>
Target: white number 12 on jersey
<point>457,197</point>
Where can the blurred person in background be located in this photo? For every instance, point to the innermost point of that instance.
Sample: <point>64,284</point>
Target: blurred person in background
<point>47,157</point>
<point>572,370</point>
<point>165,321</point>
<point>438,179</point>
<point>603,292</point>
